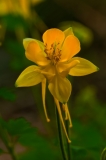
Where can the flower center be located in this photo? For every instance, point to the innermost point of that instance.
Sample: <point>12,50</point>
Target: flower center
<point>53,53</point>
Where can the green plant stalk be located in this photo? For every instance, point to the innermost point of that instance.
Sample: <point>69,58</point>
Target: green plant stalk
<point>60,135</point>
<point>5,138</point>
<point>103,155</point>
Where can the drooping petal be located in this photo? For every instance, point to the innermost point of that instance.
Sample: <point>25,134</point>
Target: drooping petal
<point>53,36</point>
<point>60,88</point>
<point>34,52</point>
<point>43,98</point>
<point>29,77</point>
<point>83,68</point>
<point>61,118</point>
<point>68,32</point>
<point>70,48</point>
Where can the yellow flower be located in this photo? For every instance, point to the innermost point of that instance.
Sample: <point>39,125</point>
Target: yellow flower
<point>21,7</point>
<point>54,59</point>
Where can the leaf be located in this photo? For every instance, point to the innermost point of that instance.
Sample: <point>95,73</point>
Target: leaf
<point>88,135</point>
<point>7,94</point>
<point>37,147</point>
<point>19,126</point>
<point>2,151</point>
<point>12,22</point>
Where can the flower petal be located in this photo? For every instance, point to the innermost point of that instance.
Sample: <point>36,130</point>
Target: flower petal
<point>34,52</point>
<point>26,41</point>
<point>48,71</point>
<point>29,77</point>
<point>64,68</point>
<point>60,88</point>
<point>70,48</point>
<point>83,68</point>
<point>68,32</point>
<point>52,36</point>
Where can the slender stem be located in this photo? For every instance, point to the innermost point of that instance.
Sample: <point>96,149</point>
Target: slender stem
<point>64,154</point>
<point>12,153</point>
<point>5,138</point>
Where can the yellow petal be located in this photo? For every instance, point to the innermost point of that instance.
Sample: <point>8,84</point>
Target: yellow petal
<point>60,88</point>
<point>53,36</point>
<point>64,68</point>
<point>34,52</point>
<point>48,71</point>
<point>68,32</point>
<point>70,48</point>
<point>83,68</point>
<point>26,41</point>
<point>29,77</point>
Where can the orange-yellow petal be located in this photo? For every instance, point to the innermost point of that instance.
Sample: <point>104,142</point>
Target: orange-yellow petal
<point>70,48</point>
<point>29,77</point>
<point>83,68</point>
<point>26,41</point>
<point>60,88</point>
<point>34,52</point>
<point>53,36</point>
<point>68,32</point>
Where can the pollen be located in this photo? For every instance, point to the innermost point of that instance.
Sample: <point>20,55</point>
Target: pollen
<point>53,53</point>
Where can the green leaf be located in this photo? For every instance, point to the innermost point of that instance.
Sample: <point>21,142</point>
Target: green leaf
<point>2,151</point>
<point>19,127</point>
<point>7,94</point>
<point>17,53</point>
<point>37,147</point>
<point>78,152</point>
<point>12,22</point>
<point>87,135</point>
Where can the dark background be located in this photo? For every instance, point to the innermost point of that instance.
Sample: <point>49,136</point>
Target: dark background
<point>88,100</point>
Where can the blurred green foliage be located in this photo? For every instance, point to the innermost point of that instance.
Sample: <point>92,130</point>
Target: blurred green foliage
<point>88,111</point>
<point>21,132</point>
<point>7,94</point>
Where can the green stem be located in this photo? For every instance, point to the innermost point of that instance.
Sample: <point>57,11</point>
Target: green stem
<point>5,138</point>
<point>61,140</point>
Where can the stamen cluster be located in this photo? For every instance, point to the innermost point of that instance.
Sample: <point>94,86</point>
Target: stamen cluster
<point>53,53</point>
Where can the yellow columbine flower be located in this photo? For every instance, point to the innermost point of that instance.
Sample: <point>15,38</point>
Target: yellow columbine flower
<point>54,59</point>
<point>21,7</point>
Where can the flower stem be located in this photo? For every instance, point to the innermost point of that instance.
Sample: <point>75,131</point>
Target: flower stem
<point>6,140</point>
<point>61,140</point>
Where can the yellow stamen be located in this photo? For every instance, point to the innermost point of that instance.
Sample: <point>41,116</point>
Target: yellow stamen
<point>43,98</point>
<point>53,53</point>
<point>61,118</point>
<point>68,114</point>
